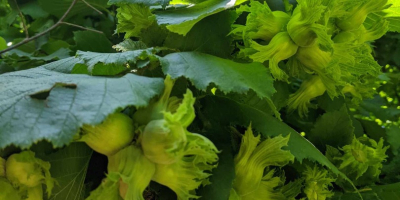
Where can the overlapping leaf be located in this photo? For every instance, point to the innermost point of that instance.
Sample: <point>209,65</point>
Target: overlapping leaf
<point>70,171</point>
<point>381,192</point>
<point>333,128</point>
<point>91,59</point>
<point>43,104</point>
<point>223,175</point>
<point>92,41</point>
<point>95,63</point>
<point>202,70</point>
<point>209,36</point>
<point>181,20</point>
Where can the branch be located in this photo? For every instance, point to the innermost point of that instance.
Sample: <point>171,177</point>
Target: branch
<point>92,7</point>
<point>22,19</point>
<point>60,22</point>
<point>84,28</point>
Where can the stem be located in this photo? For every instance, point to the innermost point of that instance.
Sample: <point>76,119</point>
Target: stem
<point>92,7</point>
<point>84,28</point>
<point>60,22</point>
<point>22,19</point>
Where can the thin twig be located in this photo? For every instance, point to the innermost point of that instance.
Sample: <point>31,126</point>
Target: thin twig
<point>84,28</point>
<point>42,33</point>
<point>92,7</point>
<point>22,19</point>
<point>60,22</point>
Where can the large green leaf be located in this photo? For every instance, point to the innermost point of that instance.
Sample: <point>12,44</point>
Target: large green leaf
<point>222,178</point>
<point>181,19</point>
<point>209,36</point>
<point>333,128</point>
<point>91,41</point>
<point>226,112</point>
<point>373,130</point>
<point>381,192</point>
<point>203,69</point>
<point>33,9</point>
<point>59,54</point>
<point>253,100</point>
<point>375,106</point>
<point>393,138</point>
<point>129,45</point>
<point>41,104</point>
<point>93,60</point>
<point>391,169</point>
<point>100,63</point>
<point>69,167</point>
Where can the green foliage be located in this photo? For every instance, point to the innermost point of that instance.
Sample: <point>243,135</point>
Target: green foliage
<point>332,128</point>
<point>91,41</point>
<point>389,191</point>
<point>164,92</point>
<point>207,36</point>
<point>223,174</point>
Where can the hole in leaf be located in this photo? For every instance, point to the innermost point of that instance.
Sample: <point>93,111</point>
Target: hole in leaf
<point>42,95</point>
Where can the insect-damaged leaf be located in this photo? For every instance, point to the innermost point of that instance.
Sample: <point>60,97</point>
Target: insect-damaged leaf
<point>41,104</point>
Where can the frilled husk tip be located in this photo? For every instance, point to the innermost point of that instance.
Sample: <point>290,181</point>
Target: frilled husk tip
<point>357,14</point>
<point>280,48</point>
<point>252,180</point>
<point>309,89</point>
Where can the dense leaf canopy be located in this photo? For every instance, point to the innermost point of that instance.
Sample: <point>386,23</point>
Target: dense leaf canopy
<point>200,99</point>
